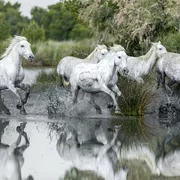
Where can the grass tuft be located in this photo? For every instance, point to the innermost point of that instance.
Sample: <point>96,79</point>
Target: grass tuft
<point>135,97</point>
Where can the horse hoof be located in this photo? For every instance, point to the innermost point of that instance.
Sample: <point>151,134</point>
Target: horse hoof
<point>110,106</point>
<point>18,106</point>
<point>23,112</point>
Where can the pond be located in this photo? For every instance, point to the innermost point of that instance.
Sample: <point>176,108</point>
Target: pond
<point>88,146</point>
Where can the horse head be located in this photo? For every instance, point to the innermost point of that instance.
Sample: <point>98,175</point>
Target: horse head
<point>160,49</point>
<point>21,46</point>
<point>24,48</point>
<point>101,51</point>
<point>120,58</point>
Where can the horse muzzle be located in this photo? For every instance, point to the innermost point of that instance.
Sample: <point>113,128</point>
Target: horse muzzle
<point>125,71</point>
<point>31,58</point>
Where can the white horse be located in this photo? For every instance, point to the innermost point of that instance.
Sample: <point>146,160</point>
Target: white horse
<point>66,65</point>
<point>168,65</point>
<point>94,78</point>
<point>11,71</point>
<point>90,156</point>
<point>142,65</point>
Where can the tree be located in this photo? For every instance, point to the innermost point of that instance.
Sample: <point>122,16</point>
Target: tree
<point>60,20</point>
<point>34,32</point>
<point>79,32</point>
<point>4,28</point>
<point>132,23</point>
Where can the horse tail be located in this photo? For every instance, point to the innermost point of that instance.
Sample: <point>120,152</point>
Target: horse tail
<point>65,82</point>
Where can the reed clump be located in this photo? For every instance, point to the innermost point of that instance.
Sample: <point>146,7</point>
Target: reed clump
<point>49,53</point>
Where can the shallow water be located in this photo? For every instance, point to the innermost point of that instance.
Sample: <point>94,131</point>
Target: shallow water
<point>142,140</point>
<point>32,73</point>
<point>42,160</point>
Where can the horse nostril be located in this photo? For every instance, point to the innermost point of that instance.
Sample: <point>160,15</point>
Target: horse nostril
<point>125,71</point>
<point>31,57</point>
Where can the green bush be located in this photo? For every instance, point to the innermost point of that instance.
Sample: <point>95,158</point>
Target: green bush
<point>171,41</point>
<point>34,32</point>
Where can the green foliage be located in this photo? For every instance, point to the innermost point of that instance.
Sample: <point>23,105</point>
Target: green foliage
<point>79,32</point>
<point>131,23</point>
<point>171,41</point>
<point>49,53</point>
<point>4,28</point>
<point>60,22</point>
<point>34,32</point>
<point>50,78</point>
<point>13,17</point>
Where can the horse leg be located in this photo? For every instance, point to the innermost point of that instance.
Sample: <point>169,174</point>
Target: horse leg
<point>74,90</point>
<point>24,87</point>
<point>159,80</point>
<point>92,101</point>
<point>106,147</point>
<point>16,92</point>
<point>3,107</point>
<point>163,81</point>
<point>116,90</point>
<point>105,89</point>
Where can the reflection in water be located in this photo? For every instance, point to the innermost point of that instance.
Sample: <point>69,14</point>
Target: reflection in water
<point>90,149</point>
<point>11,156</point>
<point>92,156</point>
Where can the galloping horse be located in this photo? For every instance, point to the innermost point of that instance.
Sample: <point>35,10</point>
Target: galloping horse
<point>67,64</point>
<point>95,78</point>
<point>168,65</point>
<point>11,71</point>
<point>142,65</point>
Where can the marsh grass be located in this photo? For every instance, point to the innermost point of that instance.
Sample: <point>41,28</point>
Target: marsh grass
<point>135,97</point>
<point>50,78</point>
<point>49,53</point>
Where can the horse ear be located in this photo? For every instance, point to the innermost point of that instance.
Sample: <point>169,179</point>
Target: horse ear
<point>159,42</point>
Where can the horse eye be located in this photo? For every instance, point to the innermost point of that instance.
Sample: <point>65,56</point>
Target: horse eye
<point>103,54</point>
<point>119,57</point>
<point>22,46</point>
<point>160,48</point>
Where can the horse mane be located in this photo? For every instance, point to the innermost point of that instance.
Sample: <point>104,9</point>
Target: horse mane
<point>13,42</point>
<point>148,54</point>
<point>100,47</point>
<point>117,47</point>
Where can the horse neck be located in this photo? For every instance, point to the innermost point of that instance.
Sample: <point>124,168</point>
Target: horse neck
<point>110,65</point>
<point>92,57</point>
<point>15,57</point>
<point>149,59</point>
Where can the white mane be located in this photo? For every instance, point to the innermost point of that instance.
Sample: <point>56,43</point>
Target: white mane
<point>13,42</point>
<point>117,47</point>
<point>99,47</point>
